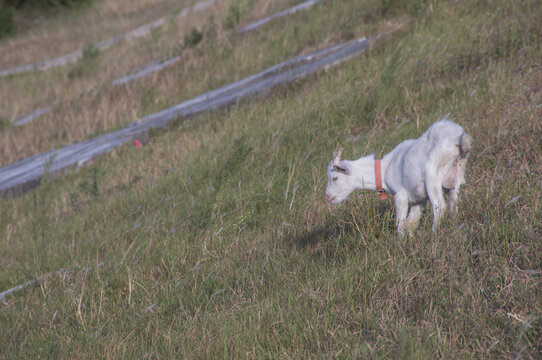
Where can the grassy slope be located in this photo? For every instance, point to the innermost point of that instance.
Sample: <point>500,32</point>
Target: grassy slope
<point>216,242</point>
<point>81,113</point>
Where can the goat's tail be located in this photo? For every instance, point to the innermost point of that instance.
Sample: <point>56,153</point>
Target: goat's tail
<point>465,143</point>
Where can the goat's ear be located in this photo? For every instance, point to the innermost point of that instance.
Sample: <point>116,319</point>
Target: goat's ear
<point>341,167</point>
<point>338,164</point>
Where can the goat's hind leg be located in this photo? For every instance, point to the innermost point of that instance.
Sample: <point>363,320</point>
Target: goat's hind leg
<point>414,218</point>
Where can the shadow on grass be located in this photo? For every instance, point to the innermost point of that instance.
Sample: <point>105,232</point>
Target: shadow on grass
<point>368,221</point>
<point>311,237</point>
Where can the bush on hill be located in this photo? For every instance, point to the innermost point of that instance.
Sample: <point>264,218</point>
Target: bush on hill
<point>9,7</point>
<point>7,25</point>
<point>42,3</point>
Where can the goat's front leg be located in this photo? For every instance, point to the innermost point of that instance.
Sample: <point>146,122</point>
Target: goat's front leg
<point>401,211</point>
<point>454,194</point>
<point>436,197</point>
<point>454,198</point>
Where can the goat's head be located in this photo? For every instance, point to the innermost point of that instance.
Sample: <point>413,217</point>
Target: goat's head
<point>340,182</point>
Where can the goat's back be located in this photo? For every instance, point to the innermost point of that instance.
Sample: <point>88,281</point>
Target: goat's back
<point>435,151</point>
<point>444,131</point>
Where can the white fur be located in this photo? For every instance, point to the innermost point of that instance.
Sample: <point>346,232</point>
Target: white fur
<point>414,172</point>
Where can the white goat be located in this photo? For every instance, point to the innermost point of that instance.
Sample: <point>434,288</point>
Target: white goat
<point>413,172</point>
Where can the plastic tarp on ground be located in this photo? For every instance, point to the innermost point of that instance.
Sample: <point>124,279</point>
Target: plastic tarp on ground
<point>26,174</point>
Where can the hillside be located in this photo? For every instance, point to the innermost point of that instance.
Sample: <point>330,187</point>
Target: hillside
<point>214,238</point>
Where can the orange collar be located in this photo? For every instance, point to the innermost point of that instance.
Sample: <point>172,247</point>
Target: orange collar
<point>378,180</point>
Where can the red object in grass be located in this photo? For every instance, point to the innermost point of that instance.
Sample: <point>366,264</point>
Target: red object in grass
<point>137,143</point>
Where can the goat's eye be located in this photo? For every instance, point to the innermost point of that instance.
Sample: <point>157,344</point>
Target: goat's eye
<point>334,179</point>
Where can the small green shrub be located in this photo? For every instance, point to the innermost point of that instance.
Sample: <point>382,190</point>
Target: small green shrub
<point>4,123</point>
<point>193,38</point>
<point>233,17</point>
<point>91,185</point>
<point>7,24</point>
<point>90,52</point>
<point>88,63</point>
<point>235,12</point>
<point>396,6</point>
